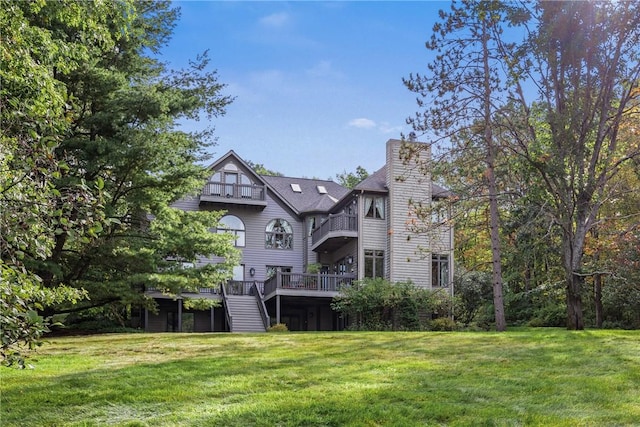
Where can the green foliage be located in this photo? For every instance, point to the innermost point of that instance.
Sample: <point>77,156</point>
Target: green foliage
<point>473,296</point>
<point>443,324</point>
<point>90,145</point>
<point>21,296</point>
<point>562,154</point>
<point>260,169</point>
<point>351,179</point>
<point>278,327</point>
<point>314,268</point>
<point>376,304</point>
<point>35,211</point>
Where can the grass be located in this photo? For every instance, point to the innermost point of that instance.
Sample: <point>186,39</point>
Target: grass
<point>522,377</point>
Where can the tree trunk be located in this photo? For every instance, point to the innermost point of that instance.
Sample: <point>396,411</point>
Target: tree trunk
<point>597,287</point>
<point>574,236</point>
<point>575,317</point>
<point>498,302</point>
<point>496,263</point>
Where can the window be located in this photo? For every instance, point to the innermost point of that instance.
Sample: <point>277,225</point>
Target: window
<point>230,181</point>
<point>245,187</point>
<point>341,266</point>
<point>278,235</point>
<point>374,207</point>
<point>233,225</point>
<point>296,188</point>
<point>214,186</point>
<point>238,273</point>
<point>438,212</point>
<point>312,224</point>
<point>351,209</point>
<point>439,270</point>
<point>373,263</point>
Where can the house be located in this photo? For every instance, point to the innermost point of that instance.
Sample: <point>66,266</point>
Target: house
<point>303,239</point>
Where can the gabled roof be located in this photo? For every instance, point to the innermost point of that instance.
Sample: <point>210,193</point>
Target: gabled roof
<point>377,182</point>
<point>232,154</point>
<point>310,198</point>
<point>316,195</point>
<point>439,192</point>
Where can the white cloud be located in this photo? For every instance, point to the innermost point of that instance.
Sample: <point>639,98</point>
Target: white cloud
<point>362,123</point>
<point>275,20</point>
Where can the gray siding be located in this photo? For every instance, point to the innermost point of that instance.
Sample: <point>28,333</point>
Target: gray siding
<point>373,235</point>
<point>408,252</point>
<point>254,253</point>
<point>309,256</point>
<point>187,204</point>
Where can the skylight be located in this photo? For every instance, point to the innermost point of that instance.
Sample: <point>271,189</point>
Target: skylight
<point>322,189</point>
<point>296,188</point>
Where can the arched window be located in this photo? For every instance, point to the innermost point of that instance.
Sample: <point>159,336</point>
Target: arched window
<point>234,225</point>
<point>278,235</point>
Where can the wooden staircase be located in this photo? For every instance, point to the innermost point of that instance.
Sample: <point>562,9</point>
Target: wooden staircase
<point>245,313</point>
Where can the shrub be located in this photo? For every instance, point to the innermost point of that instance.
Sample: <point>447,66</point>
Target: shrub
<point>473,294</point>
<point>378,305</point>
<point>278,327</point>
<point>443,324</point>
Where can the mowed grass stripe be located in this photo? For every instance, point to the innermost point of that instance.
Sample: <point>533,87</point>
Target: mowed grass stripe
<point>522,377</point>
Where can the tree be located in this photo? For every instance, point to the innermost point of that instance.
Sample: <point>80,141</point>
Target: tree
<point>462,94</point>
<point>31,207</point>
<point>583,59</point>
<point>91,148</point>
<point>260,169</point>
<point>351,179</point>
<point>122,107</point>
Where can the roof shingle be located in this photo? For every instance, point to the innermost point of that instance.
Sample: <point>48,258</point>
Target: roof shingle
<point>310,199</point>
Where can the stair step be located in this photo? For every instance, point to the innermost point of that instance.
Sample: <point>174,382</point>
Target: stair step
<point>245,313</point>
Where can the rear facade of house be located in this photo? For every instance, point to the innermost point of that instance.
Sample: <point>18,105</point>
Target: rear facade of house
<point>302,240</point>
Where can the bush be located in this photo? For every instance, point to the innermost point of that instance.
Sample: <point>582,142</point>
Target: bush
<point>278,327</point>
<point>473,296</point>
<point>443,324</point>
<point>378,305</point>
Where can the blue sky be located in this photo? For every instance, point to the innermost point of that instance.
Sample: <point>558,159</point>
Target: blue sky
<point>318,85</point>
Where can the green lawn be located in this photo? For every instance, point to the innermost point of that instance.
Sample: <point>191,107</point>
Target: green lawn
<point>522,377</point>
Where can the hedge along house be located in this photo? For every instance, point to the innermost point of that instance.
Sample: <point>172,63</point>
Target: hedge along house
<point>303,239</point>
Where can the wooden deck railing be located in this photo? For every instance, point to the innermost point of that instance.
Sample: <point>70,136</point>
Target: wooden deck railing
<point>307,282</point>
<point>294,281</point>
<point>227,314</point>
<point>235,191</point>
<point>213,291</point>
<point>338,222</point>
<point>238,287</point>
<point>263,308</point>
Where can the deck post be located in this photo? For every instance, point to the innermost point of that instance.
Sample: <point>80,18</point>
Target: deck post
<point>212,319</point>
<point>277,308</point>
<point>180,315</point>
<point>146,319</point>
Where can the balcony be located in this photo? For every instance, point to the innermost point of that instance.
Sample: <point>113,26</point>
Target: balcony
<point>309,285</point>
<point>234,194</point>
<point>322,285</point>
<point>334,232</point>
